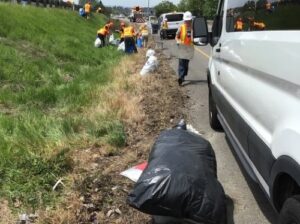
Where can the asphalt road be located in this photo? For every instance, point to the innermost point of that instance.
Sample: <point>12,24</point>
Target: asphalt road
<point>250,203</point>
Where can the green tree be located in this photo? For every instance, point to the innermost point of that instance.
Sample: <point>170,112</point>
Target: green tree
<point>194,6</point>
<point>164,7</point>
<point>210,8</point>
<point>183,5</point>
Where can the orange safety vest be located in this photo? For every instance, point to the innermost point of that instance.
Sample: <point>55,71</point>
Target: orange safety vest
<point>128,31</point>
<point>260,26</point>
<point>165,25</point>
<point>144,31</point>
<point>239,25</point>
<point>87,8</point>
<point>103,31</point>
<point>184,38</point>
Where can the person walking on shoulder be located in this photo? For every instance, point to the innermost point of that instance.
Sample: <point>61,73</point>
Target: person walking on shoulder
<point>145,34</point>
<point>163,31</point>
<point>184,38</point>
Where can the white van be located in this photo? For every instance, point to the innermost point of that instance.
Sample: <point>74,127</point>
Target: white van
<point>174,20</point>
<point>254,92</point>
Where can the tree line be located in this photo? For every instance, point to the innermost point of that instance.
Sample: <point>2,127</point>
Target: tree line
<point>205,8</point>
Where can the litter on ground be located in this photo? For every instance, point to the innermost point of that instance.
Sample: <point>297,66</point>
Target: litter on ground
<point>135,172</point>
<point>150,66</point>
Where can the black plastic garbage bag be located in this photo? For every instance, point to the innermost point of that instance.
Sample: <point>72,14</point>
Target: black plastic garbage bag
<point>180,180</point>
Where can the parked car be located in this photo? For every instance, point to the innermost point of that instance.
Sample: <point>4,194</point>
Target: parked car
<point>254,92</point>
<point>174,20</point>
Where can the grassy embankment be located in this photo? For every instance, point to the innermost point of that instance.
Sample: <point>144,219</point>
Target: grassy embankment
<point>52,83</point>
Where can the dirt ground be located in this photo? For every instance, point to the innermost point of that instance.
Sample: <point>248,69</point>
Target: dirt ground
<point>100,190</point>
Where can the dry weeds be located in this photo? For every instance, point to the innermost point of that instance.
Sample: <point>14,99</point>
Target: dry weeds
<point>6,216</point>
<point>96,193</point>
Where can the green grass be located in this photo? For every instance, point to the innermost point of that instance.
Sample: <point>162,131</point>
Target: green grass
<point>49,74</point>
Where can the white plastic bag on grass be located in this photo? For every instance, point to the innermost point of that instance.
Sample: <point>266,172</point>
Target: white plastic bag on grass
<point>121,46</point>
<point>150,66</point>
<point>97,42</point>
<point>111,38</point>
<point>115,42</point>
<point>150,53</point>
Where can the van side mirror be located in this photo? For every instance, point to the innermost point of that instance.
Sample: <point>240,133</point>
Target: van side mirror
<point>200,32</point>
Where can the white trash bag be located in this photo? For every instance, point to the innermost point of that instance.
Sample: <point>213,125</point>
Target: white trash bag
<point>150,53</point>
<point>121,46</point>
<point>111,38</point>
<point>97,42</point>
<point>150,66</point>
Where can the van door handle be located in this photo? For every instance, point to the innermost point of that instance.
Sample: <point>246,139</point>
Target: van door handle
<point>218,50</point>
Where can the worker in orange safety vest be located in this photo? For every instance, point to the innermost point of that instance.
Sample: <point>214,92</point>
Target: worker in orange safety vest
<point>88,9</point>
<point>239,25</point>
<point>145,34</point>
<point>102,34</point>
<point>164,28</point>
<point>184,37</point>
<point>129,40</point>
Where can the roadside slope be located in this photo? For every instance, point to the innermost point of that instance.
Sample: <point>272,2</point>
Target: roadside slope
<point>50,75</point>
<point>150,104</point>
<point>74,113</point>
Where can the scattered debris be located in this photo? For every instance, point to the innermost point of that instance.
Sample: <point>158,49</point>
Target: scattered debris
<point>27,219</point>
<point>113,211</point>
<point>97,191</point>
<point>135,172</point>
<point>192,129</point>
<point>57,183</point>
<point>115,188</point>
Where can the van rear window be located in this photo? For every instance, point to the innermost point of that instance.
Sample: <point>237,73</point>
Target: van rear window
<point>174,17</point>
<point>259,15</point>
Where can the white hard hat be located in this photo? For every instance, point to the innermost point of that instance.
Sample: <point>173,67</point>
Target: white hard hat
<point>187,16</point>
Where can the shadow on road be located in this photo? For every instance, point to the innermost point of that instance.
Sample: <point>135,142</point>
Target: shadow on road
<point>194,82</point>
<point>230,209</point>
<point>260,197</point>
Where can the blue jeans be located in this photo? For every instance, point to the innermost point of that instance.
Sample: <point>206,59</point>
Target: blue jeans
<point>183,68</point>
<point>130,45</point>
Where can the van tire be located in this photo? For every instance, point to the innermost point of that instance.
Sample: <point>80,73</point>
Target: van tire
<point>290,212</point>
<point>213,114</point>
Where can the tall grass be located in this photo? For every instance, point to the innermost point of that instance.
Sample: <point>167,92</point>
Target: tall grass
<point>50,76</point>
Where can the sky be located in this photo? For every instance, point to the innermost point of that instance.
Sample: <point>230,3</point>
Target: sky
<point>131,3</point>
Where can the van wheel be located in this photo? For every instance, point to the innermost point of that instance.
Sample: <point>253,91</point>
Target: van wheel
<point>213,114</point>
<point>290,212</point>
